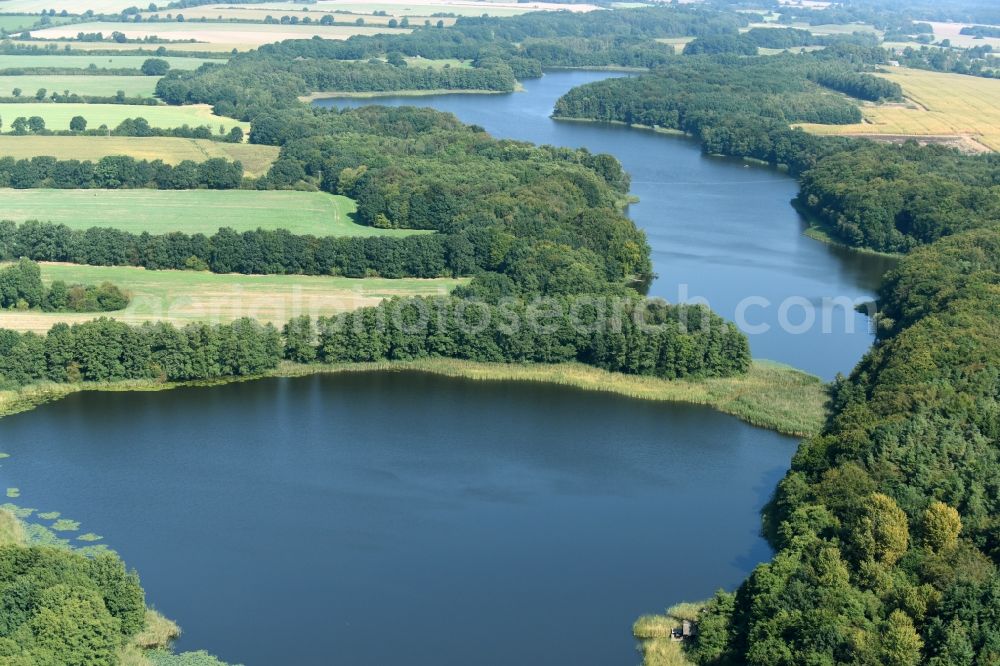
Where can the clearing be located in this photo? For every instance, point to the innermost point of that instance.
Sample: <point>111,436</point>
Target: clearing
<point>191,211</point>
<point>256,159</point>
<point>57,116</point>
<point>955,108</point>
<point>182,297</point>
<point>100,86</point>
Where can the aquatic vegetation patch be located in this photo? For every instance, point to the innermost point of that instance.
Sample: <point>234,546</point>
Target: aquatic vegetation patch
<point>65,525</point>
<point>13,492</point>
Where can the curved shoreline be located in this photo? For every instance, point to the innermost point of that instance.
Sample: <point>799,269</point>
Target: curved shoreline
<point>771,395</point>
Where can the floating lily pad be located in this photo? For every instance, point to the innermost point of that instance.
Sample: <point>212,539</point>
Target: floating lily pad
<point>65,525</point>
<point>13,492</point>
<point>49,515</point>
<point>89,536</point>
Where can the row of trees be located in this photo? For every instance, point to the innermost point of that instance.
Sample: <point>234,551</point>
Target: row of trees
<point>21,287</point>
<point>630,335</point>
<point>623,335</point>
<point>114,172</point>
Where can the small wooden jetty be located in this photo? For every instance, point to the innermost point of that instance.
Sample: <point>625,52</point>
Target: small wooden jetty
<point>684,632</point>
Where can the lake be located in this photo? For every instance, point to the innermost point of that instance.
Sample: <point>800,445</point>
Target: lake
<point>405,518</point>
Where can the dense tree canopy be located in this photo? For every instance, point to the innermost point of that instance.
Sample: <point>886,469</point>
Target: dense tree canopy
<point>60,607</point>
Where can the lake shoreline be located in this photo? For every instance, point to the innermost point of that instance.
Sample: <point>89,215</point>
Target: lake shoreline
<point>771,395</point>
<point>375,94</point>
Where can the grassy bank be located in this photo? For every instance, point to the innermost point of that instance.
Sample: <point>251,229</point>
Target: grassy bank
<point>771,395</point>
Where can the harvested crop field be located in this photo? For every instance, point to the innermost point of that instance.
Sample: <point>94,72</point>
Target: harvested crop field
<point>966,108</point>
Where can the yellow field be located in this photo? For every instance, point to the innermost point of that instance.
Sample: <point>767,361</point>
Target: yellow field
<point>939,107</point>
<point>256,159</point>
<point>182,297</point>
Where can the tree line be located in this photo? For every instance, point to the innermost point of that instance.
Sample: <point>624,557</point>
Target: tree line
<point>623,335</point>
<point>21,288</point>
<point>120,172</point>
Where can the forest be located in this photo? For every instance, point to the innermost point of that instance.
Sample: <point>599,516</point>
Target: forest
<point>887,524</point>
<point>120,172</point>
<point>44,589</point>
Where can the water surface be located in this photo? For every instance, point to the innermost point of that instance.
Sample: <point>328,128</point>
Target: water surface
<point>404,518</point>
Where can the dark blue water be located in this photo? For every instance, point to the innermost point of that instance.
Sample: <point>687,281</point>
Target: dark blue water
<point>721,230</point>
<point>401,518</point>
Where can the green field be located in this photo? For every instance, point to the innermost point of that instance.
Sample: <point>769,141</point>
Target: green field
<point>186,296</point>
<point>190,211</point>
<point>57,116</point>
<point>256,159</point>
<point>101,86</point>
<point>15,22</point>
<point>99,61</point>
